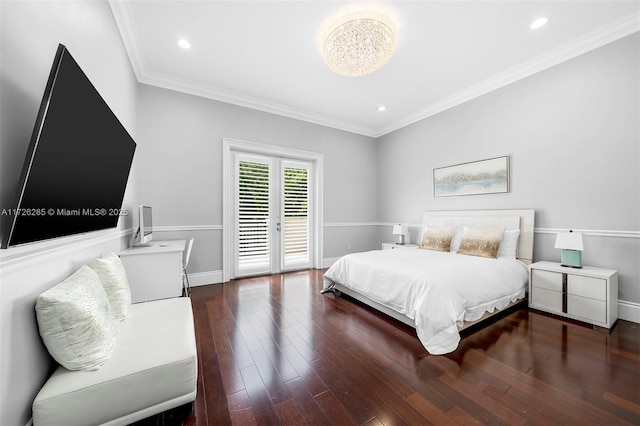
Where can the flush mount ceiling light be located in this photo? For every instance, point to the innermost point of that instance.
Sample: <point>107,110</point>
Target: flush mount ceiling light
<point>184,43</point>
<point>359,43</point>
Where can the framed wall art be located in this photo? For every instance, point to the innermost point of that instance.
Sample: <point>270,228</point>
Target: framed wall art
<point>489,176</point>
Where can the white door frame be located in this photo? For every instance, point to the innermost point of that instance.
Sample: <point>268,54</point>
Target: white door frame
<point>235,145</point>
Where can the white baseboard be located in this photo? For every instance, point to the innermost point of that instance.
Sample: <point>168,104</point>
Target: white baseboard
<point>629,311</point>
<point>204,278</point>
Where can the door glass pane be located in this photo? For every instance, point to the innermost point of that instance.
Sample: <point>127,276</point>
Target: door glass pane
<point>253,217</point>
<point>296,216</point>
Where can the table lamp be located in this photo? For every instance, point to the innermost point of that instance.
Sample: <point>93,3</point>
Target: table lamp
<point>399,231</point>
<point>571,245</point>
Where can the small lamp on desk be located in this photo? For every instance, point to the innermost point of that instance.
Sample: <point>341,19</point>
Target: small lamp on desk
<point>571,245</point>
<point>399,231</point>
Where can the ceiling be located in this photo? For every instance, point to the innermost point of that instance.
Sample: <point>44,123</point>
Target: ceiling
<point>265,55</point>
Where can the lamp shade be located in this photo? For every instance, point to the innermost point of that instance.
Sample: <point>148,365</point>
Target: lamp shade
<point>399,229</point>
<point>569,240</point>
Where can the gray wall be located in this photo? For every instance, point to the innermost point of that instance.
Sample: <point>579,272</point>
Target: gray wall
<point>572,134</point>
<point>29,36</point>
<point>181,170</point>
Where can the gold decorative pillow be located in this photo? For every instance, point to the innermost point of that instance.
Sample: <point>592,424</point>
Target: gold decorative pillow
<point>437,238</point>
<point>483,242</point>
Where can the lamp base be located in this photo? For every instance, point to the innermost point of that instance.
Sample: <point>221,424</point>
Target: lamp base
<point>400,239</point>
<point>571,258</point>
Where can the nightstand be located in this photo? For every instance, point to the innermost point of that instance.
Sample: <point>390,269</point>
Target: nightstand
<point>587,294</point>
<point>393,246</point>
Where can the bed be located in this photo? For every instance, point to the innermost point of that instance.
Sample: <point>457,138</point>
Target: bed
<point>438,291</point>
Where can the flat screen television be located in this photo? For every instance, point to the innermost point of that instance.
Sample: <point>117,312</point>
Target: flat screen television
<point>77,163</point>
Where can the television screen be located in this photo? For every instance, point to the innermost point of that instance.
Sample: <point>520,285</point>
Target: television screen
<point>77,165</point>
<point>146,224</point>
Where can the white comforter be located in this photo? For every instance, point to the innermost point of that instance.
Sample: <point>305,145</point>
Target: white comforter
<point>438,290</point>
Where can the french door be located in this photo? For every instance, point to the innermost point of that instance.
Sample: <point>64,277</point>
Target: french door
<point>273,214</point>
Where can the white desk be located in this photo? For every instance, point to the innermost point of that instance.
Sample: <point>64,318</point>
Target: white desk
<point>154,271</point>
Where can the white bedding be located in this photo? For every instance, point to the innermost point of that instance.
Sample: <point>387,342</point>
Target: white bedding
<point>438,290</point>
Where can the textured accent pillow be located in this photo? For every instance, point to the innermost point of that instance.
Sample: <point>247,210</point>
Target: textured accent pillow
<point>113,277</point>
<point>76,323</point>
<point>437,238</point>
<point>509,244</point>
<point>483,242</point>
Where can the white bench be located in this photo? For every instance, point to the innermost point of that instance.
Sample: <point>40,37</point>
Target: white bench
<point>153,368</point>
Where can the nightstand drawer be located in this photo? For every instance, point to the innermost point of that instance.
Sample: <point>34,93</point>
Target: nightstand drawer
<point>593,288</point>
<point>547,280</point>
<point>547,299</point>
<point>590,309</point>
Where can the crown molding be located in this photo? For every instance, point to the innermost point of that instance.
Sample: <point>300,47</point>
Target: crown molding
<point>600,37</point>
<point>579,46</point>
<point>124,21</point>
<point>220,95</point>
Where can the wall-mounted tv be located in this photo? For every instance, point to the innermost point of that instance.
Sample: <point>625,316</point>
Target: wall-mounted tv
<point>77,164</point>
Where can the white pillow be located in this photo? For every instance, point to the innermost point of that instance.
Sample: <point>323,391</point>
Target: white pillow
<point>113,277</point>
<point>509,244</point>
<point>76,323</point>
<point>455,241</point>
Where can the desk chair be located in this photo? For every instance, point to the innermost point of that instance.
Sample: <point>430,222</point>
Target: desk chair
<point>185,277</point>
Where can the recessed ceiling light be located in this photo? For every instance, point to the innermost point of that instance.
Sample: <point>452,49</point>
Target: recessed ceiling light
<point>539,22</point>
<point>184,43</point>
<point>381,108</point>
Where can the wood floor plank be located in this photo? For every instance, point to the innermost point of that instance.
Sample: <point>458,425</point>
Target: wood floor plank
<point>353,399</point>
<point>261,403</point>
<point>238,401</point>
<point>278,360</point>
<point>502,412</point>
<point>309,407</point>
<point>334,409</point>
<point>270,377</point>
<point>242,418</point>
<point>274,350</point>
<point>289,413</point>
<point>431,413</point>
<point>229,370</point>
<point>314,384</point>
<point>215,397</point>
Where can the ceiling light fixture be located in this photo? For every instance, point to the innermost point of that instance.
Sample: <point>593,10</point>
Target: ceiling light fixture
<point>359,43</point>
<point>540,22</point>
<point>184,44</point>
<point>381,108</point>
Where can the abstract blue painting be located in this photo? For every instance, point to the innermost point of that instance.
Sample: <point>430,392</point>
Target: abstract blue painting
<point>478,177</point>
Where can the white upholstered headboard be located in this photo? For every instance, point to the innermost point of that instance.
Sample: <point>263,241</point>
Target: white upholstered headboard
<point>511,219</point>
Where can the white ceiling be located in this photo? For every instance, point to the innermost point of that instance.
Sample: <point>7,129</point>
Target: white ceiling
<point>264,54</point>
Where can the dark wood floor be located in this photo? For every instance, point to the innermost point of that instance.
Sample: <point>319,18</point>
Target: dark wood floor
<point>273,350</point>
